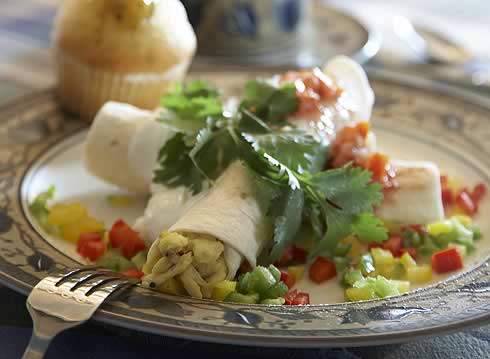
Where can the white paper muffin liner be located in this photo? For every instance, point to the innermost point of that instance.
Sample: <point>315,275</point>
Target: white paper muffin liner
<point>83,89</point>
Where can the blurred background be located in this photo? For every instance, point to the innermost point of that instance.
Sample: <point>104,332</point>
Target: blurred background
<point>25,61</point>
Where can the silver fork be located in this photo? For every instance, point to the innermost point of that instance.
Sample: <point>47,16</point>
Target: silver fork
<point>65,300</point>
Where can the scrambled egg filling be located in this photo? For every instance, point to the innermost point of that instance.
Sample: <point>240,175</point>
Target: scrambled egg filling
<point>180,263</point>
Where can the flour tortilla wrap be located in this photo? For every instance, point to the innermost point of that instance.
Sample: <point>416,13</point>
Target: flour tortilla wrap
<point>122,146</point>
<point>417,199</point>
<point>232,213</point>
<point>226,225</point>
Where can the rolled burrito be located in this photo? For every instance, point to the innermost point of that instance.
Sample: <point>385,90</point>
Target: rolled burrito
<point>122,146</point>
<point>208,243</point>
<point>417,197</point>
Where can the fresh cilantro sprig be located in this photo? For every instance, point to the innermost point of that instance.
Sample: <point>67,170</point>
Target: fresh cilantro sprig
<point>191,107</point>
<point>270,103</point>
<point>336,202</point>
<point>334,199</point>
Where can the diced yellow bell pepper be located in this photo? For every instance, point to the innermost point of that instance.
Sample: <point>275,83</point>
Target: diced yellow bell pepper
<point>407,261</point>
<point>71,231</point>
<point>222,289</point>
<point>90,224</point>
<point>297,272</point>
<point>357,294</point>
<point>460,248</point>
<point>464,220</point>
<point>391,271</point>
<point>419,274</point>
<point>402,285</point>
<point>437,228</point>
<point>61,214</point>
<point>382,257</point>
<point>356,246</point>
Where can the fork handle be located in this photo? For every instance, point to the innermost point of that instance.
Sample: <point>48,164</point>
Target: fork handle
<point>36,349</point>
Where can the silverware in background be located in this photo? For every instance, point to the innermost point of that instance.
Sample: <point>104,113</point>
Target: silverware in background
<point>65,300</point>
<point>440,58</point>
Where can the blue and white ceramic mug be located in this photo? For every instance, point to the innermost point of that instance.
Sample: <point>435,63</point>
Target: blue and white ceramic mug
<point>245,27</point>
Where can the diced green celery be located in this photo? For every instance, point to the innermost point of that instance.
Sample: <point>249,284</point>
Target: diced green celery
<point>407,261</point>
<point>411,238</point>
<point>115,261</point>
<point>366,264</point>
<point>382,257</point>
<point>341,263</point>
<point>261,279</point>
<point>464,235</point>
<point>276,273</point>
<point>275,301</point>
<point>428,246</point>
<point>342,249</point>
<point>402,285</point>
<point>380,286</point>
<point>437,228</point>
<point>384,287</point>
<point>139,259</point>
<point>277,290</point>
<point>39,208</point>
<point>242,298</point>
<point>352,276</point>
<point>476,232</point>
<point>243,285</point>
<point>443,240</point>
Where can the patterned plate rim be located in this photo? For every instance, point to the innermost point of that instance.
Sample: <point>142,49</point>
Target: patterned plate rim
<point>113,317</point>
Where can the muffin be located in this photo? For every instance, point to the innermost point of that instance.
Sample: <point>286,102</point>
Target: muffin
<point>122,50</point>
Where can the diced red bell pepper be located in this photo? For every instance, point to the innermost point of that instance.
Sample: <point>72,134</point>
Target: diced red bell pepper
<point>289,297</point>
<point>299,254</point>
<point>287,279</point>
<point>301,299</point>
<point>447,260</point>
<point>133,273</point>
<point>465,202</point>
<point>410,250</point>
<point>91,246</point>
<point>394,245</point>
<point>447,197</point>
<point>124,237</point>
<point>322,270</point>
<point>294,297</point>
<point>478,192</point>
<point>286,257</point>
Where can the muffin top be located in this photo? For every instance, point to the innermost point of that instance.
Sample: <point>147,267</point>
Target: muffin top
<point>125,35</point>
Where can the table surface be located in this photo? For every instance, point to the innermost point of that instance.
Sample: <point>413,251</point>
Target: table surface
<point>25,65</point>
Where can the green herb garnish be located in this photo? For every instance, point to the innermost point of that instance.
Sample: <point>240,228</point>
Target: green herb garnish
<point>335,202</point>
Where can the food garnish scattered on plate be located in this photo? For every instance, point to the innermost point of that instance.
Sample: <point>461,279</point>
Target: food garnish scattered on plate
<point>251,197</point>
